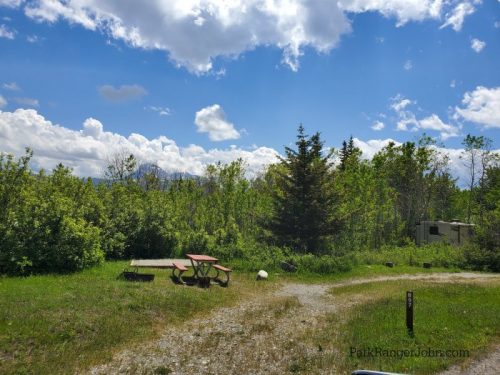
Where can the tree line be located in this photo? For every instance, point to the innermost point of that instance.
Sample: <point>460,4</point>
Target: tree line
<point>326,203</point>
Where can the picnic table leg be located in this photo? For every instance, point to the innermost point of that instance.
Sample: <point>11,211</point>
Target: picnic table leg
<point>227,278</point>
<point>195,269</point>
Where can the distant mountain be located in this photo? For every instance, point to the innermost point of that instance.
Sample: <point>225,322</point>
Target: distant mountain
<point>147,168</point>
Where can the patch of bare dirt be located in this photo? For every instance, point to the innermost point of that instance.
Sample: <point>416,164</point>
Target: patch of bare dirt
<point>260,336</point>
<point>482,366</point>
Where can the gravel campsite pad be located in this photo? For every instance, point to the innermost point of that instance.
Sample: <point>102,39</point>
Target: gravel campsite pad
<point>261,336</point>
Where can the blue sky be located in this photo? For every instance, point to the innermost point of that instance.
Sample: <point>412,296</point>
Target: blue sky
<point>198,81</point>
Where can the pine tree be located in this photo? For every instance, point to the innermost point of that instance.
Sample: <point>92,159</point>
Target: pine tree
<point>303,203</point>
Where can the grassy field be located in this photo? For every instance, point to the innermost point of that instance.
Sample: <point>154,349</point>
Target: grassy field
<point>55,324</point>
<point>59,324</point>
<point>462,318</point>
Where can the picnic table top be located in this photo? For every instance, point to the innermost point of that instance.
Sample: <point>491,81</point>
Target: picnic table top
<point>159,263</point>
<point>201,258</point>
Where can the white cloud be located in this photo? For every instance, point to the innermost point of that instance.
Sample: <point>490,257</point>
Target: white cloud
<point>477,45</point>
<point>453,84</point>
<point>162,111</point>
<point>405,118</point>
<point>378,125</point>
<point>92,128</point>
<point>33,39</point>
<point>408,65</point>
<point>87,150</point>
<point>371,147</point>
<point>212,120</point>
<point>456,18</point>
<point>481,106</point>
<point>11,86</point>
<point>403,10</point>
<point>6,33</point>
<point>3,101</point>
<point>195,32</point>
<point>30,102</point>
<point>399,103</point>
<point>10,3</point>
<point>433,122</point>
<point>122,93</point>
<point>407,121</point>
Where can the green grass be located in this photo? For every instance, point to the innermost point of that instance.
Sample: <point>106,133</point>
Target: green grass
<point>62,323</point>
<point>57,324</point>
<point>447,317</point>
<point>361,271</point>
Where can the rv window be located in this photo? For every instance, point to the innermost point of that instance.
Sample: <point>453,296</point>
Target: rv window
<point>434,230</point>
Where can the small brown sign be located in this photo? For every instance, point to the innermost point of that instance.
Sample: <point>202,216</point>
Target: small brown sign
<point>409,310</point>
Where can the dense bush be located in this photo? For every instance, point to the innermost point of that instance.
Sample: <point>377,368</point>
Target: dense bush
<point>481,259</point>
<point>48,223</point>
<point>322,264</point>
<point>439,254</point>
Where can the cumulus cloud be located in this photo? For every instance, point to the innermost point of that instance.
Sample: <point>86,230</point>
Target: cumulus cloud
<point>403,10</point>
<point>196,32</point>
<point>477,45</point>
<point>456,18</point>
<point>378,125</point>
<point>12,86</point>
<point>6,33</point>
<point>481,106</point>
<point>371,147</point>
<point>122,93</point>
<point>3,101</point>
<point>407,120</point>
<point>87,150</point>
<point>433,122</point>
<point>212,120</point>
<point>30,102</point>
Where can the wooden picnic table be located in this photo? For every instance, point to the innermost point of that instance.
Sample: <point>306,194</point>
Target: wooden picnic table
<point>201,264</point>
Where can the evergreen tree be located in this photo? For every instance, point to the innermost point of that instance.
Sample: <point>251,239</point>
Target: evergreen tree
<point>304,200</point>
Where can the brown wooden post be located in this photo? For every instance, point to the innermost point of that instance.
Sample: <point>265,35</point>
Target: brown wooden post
<point>409,310</point>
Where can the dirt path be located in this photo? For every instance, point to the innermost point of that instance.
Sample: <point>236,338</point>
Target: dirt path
<point>260,336</point>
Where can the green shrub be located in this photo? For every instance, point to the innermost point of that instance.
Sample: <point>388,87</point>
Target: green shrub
<point>481,259</point>
<point>324,264</point>
<point>439,254</point>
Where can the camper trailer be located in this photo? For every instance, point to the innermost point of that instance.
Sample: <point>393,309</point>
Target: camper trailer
<point>454,232</point>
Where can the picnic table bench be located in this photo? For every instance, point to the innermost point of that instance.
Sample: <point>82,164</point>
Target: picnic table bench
<point>226,270</point>
<point>201,264</point>
<point>180,268</point>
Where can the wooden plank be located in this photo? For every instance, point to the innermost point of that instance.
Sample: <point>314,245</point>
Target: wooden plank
<point>159,263</point>
<point>201,258</point>
<point>180,267</point>
<point>222,268</point>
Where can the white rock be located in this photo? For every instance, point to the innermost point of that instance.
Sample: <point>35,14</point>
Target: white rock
<point>262,275</point>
